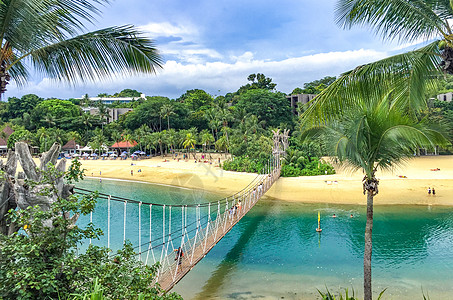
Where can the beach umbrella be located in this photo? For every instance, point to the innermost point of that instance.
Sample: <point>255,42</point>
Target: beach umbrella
<point>113,154</point>
<point>85,154</point>
<point>75,155</point>
<point>104,154</point>
<point>123,154</point>
<point>94,154</point>
<point>142,153</point>
<point>137,152</point>
<point>134,155</point>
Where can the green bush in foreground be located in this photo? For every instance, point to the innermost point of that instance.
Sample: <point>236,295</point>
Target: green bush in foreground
<point>41,260</point>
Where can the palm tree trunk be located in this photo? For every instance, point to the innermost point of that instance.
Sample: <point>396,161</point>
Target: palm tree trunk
<point>368,247</point>
<point>168,122</point>
<point>4,78</point>
<point>161,152</point>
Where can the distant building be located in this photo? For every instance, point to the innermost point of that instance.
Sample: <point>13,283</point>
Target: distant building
<point>122,146</point>
<point>6,132</point>
<point>299,99</point>
<point>114,113</point>
<point>71,147</point>
<point>108,100</point>
<point>447,97</point>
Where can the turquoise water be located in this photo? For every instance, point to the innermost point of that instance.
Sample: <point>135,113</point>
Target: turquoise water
<point>274,251</point>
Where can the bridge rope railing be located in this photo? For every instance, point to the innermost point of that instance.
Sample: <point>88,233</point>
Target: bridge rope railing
<point>193,229</point>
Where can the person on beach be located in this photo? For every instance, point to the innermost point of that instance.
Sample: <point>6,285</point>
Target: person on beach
<point>100,180</point>
<point>434,191</point>
<point>132,172</point>
<point>179,255</point>
<point>429,191</point>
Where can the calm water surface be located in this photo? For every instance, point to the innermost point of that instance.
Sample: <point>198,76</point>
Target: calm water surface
<point>274,251</point>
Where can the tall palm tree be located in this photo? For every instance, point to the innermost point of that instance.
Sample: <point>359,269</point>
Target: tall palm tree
<point>189,142</point>
<point>374,134</point>
<point>117,137</point>
<point>206,139</point>
<point>171,139</point>
<point>48,35</point>
<point>127,137</point>
<point>166,111</point>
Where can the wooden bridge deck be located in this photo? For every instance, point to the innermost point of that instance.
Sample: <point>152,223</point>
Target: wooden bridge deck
<point>208,237</point>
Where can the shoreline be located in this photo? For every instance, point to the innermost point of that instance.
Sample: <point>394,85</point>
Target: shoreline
<point>341,188</point>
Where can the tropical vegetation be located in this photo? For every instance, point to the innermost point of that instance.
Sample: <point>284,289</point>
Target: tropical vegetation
<point>49,36</point>
<point>41,261</point>
<point>377,115</point>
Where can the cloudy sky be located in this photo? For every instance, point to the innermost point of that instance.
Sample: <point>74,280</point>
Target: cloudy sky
<point>215,45</point>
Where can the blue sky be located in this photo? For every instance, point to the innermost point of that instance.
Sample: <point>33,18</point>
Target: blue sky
<point>215,45</point>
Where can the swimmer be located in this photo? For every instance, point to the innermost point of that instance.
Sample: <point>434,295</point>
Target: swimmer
<point>334,216</point>
<point>352,216</point>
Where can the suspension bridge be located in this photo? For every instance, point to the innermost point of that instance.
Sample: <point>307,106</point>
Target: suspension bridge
<point>181,235</point>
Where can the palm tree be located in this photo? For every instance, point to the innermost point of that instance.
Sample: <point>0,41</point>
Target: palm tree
<point>224,115</point>
<point>189,142</point>
<point>374,134</point>
<point>408,74</point>
<point>206,139</point>
<point>171,139</point>
<point>127,137</point>
<point>140,133</point>
<point>49,36</point>
<point>117,137</point>
<point>98,140</point>
<point>159,137</point>
<point>166,111</point>
<point>103,112</point>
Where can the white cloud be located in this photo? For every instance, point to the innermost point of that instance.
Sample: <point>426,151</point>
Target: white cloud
<point>219,77</point>
<point>167,29</point>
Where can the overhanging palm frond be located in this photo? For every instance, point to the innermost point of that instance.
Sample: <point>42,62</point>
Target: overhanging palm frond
<point>375,134</point>
<point>407,75</point>
<point>28,24</point>
<point>98,55</point>
<point>406,20</point>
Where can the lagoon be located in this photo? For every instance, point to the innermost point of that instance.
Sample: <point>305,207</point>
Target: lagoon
<point>274,251</point>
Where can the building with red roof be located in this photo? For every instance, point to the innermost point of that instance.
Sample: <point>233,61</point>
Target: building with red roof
<point>123,146</point>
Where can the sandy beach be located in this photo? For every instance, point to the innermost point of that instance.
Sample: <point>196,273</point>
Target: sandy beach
<point>406,185</point>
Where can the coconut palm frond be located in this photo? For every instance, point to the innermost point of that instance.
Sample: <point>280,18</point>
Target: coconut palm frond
<point>98,55</point>
<point>407,75</point>
<point>397,19</point>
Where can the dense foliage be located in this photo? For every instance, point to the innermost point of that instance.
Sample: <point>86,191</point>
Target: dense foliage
<point>41,260</point>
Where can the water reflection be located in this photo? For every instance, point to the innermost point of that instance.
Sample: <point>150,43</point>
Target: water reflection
<point>232,258</point>
<point>275,249</point>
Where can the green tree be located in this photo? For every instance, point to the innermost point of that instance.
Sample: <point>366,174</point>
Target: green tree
<point>128,93</point>
<point>167,110</point>
<point>17,107</point>
<point>49,35</point>
<point>19,135</point>
<point>196,99</point>
<point>52,112</point>
<point>272,108</point>
<point>259,81</point>
<point>189,142</point>
<point>374,134</point>
<point>317,86</point>
<point>41,260</point>
<point>206,139</point>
